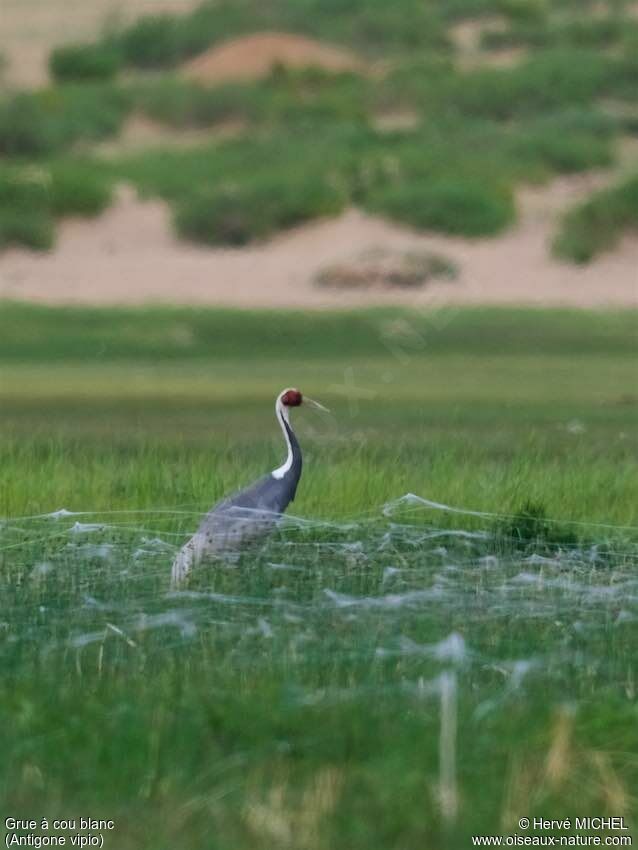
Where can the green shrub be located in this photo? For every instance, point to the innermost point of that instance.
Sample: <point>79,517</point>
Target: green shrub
<point>581,32</point>
<point>236,215</point>
<point>32,229</point>
<point>40,123</point>
<point>568,142</point>
<point>546,82</point>
<point>163,41</point>
<point>24,130</point>
<point>591,32</point>
<point>88,112</point>
<point>151,42</point>
<point>25,218</point>
<point>313,97</point>
<point>515,9</point>
<point>529,526</point>
<point>369,25</point>
<point>78,189</point>
<point>449,205</point>
<point>184,104</point>
<point>31,199</point>
<point>84,62</point>
<point>597,225</point>
<point>529,12</point>
<point>284,98</point>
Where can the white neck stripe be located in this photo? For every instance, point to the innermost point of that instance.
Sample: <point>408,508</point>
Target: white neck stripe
<point>281,411</point>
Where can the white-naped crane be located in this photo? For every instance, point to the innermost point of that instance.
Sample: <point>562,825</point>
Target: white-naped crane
<point>251,513</point>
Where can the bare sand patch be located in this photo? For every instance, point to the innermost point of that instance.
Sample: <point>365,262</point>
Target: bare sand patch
<point>466,37</point>
<point>130,255</point>
<point>31,28</point>
<point>396,121</point>
<point>503,58</point>
<point>253,56</point>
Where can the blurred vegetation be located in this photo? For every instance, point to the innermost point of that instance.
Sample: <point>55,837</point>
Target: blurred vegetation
<point>598,224</point>
<point>84,62</point>
<point>591,32</point>
<point>31,200</point>
<point>316,141</point>
<point>371,26</point>
<point>25,216</point>
<point>237,214</point>
<point>38,124</point>
<point>43,334</point>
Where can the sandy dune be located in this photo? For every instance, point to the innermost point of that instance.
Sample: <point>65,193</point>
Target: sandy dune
<point>253,56</point>
<point>130,255</point>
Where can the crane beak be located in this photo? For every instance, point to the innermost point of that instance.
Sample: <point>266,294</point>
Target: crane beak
<point>315,404</point>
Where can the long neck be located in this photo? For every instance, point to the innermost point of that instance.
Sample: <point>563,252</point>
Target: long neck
<point>291,468</point>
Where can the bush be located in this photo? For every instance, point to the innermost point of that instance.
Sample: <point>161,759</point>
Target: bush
<point>163,41</point>
<point>449,205</point>
<point>580,32</point>
<point>548,81</point>
<point>598,224</point>
<point>184,104</point>
<point>32,229</point>
<point>84,62</point>
<point>514,9</point>
<point>567,143</point>
<point>31,200</point>
<point>236,215</point>
<point>529,526</point>
<point>25,218</point>
<point>313,97</point>
<point>77,189</point>
<point>39,123</point>
<point>151,42</point>
<point>24,129</point>
<point>88,112</point>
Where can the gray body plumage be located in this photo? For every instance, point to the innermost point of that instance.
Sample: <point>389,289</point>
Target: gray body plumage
<point>246,517</point>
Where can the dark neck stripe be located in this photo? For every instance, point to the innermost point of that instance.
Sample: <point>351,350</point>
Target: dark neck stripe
<point>294,473</point>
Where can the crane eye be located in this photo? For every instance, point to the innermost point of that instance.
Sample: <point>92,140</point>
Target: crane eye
<point>292,398</point>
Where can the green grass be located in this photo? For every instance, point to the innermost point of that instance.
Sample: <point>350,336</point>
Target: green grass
<point>598,224</point>
<point>37,334</point>
<point>300,693</point>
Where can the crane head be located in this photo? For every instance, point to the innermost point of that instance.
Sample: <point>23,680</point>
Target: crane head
<point>291,398</point>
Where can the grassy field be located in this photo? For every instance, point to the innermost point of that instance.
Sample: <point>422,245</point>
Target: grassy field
<point>382,673</point>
